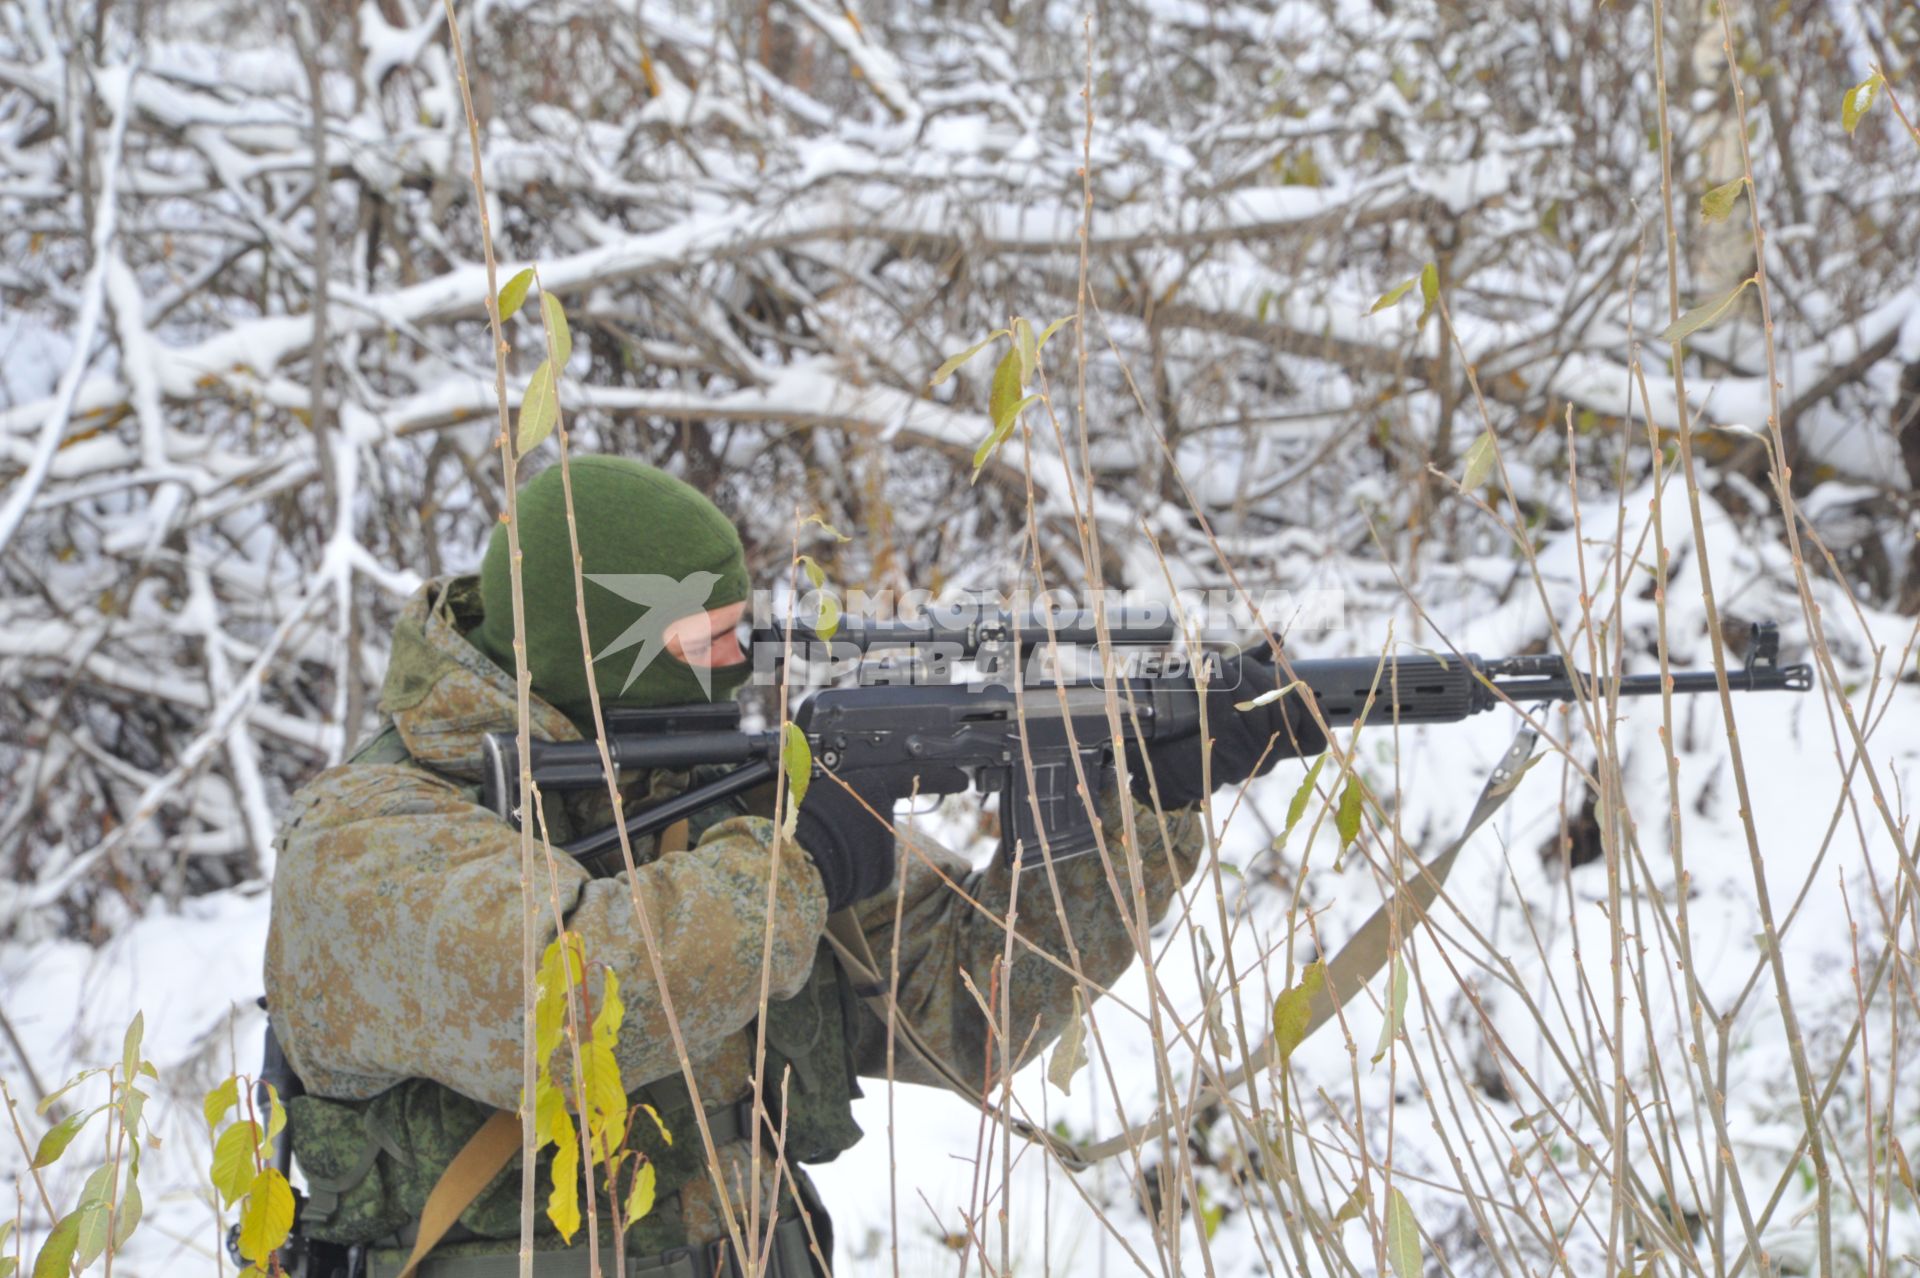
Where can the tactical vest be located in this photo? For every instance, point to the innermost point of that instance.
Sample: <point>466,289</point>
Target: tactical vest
<point>370,1164</point>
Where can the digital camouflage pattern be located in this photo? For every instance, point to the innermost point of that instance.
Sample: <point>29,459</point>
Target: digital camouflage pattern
<point>394,957</point>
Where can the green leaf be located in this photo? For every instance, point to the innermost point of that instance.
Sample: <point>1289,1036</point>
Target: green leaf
<point>1346,819</point>
<point>127,1212</point>
<point>1859,100</point>
<point>640,1201</point>
<point>514,295</point>
<point>1049,331</point>
<point>59,1136</point>
<point>1429,290</point>
<point>90,1237</point>
<point>827,624</point>
<point>814,572</point>
<point>1717,205</point>
<point>1266,698</point>
<point>1294,1009</point>
<point>267,1218</point>
<point>559,336</point>
<point>1703,315</point>
<point>796,760</point>
<point>1070,1053</point>
<point>1297,807</point>
<point>46,1102</point>
<point>98,1188</point>
<point>1396,1006</point>
<point>233,1165</point>
<point>953,363</point>
<point>130,1048</point>
<point>56,1253</point>
<point>1480,458</point>
<point>1403,1236</point>
<point>539,409</point>
<point>1392,296</point>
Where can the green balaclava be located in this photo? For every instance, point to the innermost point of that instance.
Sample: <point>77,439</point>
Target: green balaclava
<point>652,549</point>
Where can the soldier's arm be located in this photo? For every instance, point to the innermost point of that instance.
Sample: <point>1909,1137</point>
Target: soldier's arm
<point>396,945</point>
<point>942,935</point>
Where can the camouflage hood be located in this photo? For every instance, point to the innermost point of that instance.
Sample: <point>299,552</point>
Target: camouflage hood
<point>443,694</point>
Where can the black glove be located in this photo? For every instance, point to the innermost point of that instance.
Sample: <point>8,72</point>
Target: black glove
<point>852,851</point>
<point>1239,737</point>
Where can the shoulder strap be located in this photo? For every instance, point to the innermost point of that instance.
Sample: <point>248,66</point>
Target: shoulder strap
<point>484,1156</point>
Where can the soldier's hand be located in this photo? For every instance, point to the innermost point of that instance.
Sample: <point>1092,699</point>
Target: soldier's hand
<point>850,847</point>
<point>1240,737</point>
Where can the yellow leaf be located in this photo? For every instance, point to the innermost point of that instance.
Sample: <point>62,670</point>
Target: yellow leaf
<point>276,1122</point>
<point>549,1113</point>
<point>1392,296</point>
<point>815,574</point>
<point>1071,1051</point>
<point>1429,290</point>
<point>267,1218</point>
<point>654,1114</point>
<point>219,1101</point>
<point>233,1160</point>
<point>640,1201</point>
<point>1346,818</point>
<point>1717,205</point>
<point>1294,1009</point>
<point>953,363</point>
<point>563,1204</point>
<point>1859,100</point>
<point>606,1021</point>
<point>827,624</point>
<point>515,294</point>
<point>606,1099</point>
<point>825,527</point>
<point>1356,1204</point>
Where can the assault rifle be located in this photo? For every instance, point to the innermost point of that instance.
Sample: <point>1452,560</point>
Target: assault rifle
<point>950,737</point>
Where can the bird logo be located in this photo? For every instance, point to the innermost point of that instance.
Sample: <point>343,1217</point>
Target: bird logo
<point>662,600</point>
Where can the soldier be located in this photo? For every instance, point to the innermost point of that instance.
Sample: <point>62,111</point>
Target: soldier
<point>393,965</point>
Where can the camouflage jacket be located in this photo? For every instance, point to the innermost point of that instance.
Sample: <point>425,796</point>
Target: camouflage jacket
<point>393,965</point>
